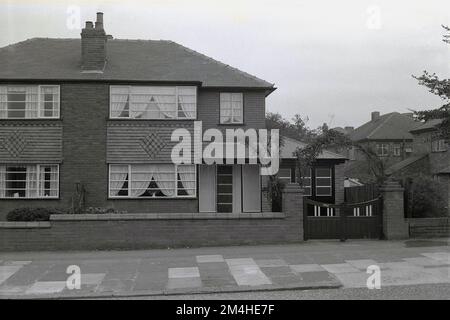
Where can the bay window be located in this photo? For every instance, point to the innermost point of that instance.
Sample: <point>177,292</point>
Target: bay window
<point>29,102</point>
<point>29,181</point>
<point>153,102</point>
<point>152,181</point>
<point>231,108</point>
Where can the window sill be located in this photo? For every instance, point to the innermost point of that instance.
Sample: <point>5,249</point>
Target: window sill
<point>168,216</point>
<point>231,124</point>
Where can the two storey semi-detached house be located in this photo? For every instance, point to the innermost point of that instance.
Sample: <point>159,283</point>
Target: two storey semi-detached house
<point>102,120</point>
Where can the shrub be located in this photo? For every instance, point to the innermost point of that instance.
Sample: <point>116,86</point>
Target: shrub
<point>32,214</point>
<point>275,189</point>
<point>426,198</point>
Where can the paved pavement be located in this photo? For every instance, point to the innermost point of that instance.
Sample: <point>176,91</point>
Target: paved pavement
<point>310,265</point>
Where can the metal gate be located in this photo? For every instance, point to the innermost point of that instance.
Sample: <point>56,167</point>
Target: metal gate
<point>361,220</point>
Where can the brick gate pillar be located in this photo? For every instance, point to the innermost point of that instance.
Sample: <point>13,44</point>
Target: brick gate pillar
<point>394,223</point>
<point>292,206</point>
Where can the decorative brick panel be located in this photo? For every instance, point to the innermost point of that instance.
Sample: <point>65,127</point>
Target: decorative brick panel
<point>36,143</point>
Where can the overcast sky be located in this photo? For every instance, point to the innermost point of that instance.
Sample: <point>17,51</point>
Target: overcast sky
<point>332,61</point>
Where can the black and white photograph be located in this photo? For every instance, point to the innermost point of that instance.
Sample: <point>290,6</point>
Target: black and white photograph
<point>224,158</point>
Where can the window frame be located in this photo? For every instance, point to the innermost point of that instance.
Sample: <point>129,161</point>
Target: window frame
<point>38,181</point>
<point>382,147</point>
<point>330,177</point>
<point>129,87</point>
<point>397,147</point>
<point>129,181</point>
<point>40,104</point>
<point>438,145</point>
<point>310,187</point>
<point>232,122</point>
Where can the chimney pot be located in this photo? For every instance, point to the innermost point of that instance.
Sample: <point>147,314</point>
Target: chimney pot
<point>89,25</point>
<point>375,115</point>
<point>99,22</point>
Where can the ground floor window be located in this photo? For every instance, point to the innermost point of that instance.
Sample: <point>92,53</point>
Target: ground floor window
<point>323,181</point>
<point>152,181</point>
<point>29,181</point>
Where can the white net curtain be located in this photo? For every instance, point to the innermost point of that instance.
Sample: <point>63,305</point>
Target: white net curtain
<point>151,180</point>
<point>157,102</point>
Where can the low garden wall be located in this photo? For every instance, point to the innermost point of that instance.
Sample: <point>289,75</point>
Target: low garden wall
<point>144,231</point>
<point>429,227</point>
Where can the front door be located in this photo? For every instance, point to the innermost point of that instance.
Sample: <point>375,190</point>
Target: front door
<point>224,188</point>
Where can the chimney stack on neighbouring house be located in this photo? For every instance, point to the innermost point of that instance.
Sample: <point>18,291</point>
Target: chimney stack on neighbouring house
<point>93,46</point>
<point>375,115</point>
<point>348,129</point>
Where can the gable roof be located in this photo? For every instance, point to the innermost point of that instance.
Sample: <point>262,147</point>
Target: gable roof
<point>390,126</point>
<point>290,146</point>
<point>127,60</point>
<point>405,163</point>
<point>430,125</point>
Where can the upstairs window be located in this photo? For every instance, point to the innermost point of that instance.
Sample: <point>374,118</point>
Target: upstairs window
<point>438,145</point>
<point>397,150</point>
<point>382,149</point>
<point>231,108</point>
<point>29,102</point>
<point>156,102</point>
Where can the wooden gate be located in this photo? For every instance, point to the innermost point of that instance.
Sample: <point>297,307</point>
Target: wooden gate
<point>361,220</point>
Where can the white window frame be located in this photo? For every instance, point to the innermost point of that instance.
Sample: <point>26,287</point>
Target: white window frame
<point>175,196</point>
<point>289,179</point>
<point>384,148</point>
<point>310,183</point>
<point>40,107</point>
<point>129,88</point>
<point>231,107</point>
<point>330,177</point>
<point>438,145</point>
<point>39,182</point>
<point>397,147</point>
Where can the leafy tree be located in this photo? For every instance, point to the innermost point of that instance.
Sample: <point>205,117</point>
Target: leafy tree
<point>441,88</point>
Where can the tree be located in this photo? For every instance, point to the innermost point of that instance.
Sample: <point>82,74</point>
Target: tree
<point>441,88</point>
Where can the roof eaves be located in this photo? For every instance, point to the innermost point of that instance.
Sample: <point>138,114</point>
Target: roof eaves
<point>245,74</point>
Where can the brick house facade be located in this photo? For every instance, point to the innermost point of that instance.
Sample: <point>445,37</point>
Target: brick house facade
<point>67,124</point>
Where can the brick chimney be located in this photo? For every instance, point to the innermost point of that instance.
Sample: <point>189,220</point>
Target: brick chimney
<point>375,115</point>
<point>93,46</point>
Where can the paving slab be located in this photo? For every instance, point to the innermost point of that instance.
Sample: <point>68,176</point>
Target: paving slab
<point>311,267</point>
<point>267,263</point>
<point>209,258</point>
<point>183,283</point>
<point>190,272</point>
<point>246,272</point>
<point>46,287</point>
<point>339,268</point>
<point>361,264</point>
<point>8,271</point>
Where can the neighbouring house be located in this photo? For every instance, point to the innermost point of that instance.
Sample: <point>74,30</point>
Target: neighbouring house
<point>323,181</point>
<point>97,113</point>
<point>430,157</point>
<point>388,136</point>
